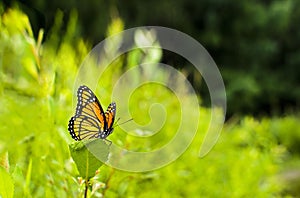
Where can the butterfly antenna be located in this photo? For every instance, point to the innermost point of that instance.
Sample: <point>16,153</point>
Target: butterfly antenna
<point>123,122</point>
<point>117,120</point>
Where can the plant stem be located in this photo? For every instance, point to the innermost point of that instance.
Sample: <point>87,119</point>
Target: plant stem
<point>86,188</point>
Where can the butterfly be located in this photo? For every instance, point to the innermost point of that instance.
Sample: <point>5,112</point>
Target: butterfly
<point>90,121</point>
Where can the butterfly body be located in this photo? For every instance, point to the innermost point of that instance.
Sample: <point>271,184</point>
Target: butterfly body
<point>90,120</point>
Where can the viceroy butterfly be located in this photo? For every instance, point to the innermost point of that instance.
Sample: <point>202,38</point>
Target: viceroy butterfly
<point>90,121</point>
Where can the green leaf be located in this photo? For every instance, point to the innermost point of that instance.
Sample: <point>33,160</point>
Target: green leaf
<point>89,156</point>
<point>6,184</point>
<point>28,178</point>
<point>17,174</point>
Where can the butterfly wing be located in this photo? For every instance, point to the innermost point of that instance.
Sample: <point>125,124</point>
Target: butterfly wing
<point>110,116</point>
<point>88,104</point>
<point>82,127</point>
<point>89,120</point>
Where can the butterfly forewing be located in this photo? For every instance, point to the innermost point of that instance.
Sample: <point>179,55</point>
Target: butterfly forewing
<point>88,104</point>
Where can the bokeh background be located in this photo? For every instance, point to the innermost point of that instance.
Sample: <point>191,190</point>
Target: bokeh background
<point>255,45</point>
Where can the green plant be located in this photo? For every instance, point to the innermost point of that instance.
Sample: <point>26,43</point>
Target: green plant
<point>36,93</point>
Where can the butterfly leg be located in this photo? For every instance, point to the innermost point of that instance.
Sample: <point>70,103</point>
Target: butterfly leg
<point>108,141</point>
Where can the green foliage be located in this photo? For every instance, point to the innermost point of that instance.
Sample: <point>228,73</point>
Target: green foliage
<point>253,39</point>
<point>288,133</point>
<point>6,184</point>
<point>89,156</point>
<point>36,95</point>
<point>242,164</point>
<point>88,162</point>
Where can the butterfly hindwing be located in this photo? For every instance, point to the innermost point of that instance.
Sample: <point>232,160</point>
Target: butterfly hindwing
<point>90,121</point>
<point>82,127</point>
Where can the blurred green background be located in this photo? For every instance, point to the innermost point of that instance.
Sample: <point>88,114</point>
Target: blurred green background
<point>255,45</point>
